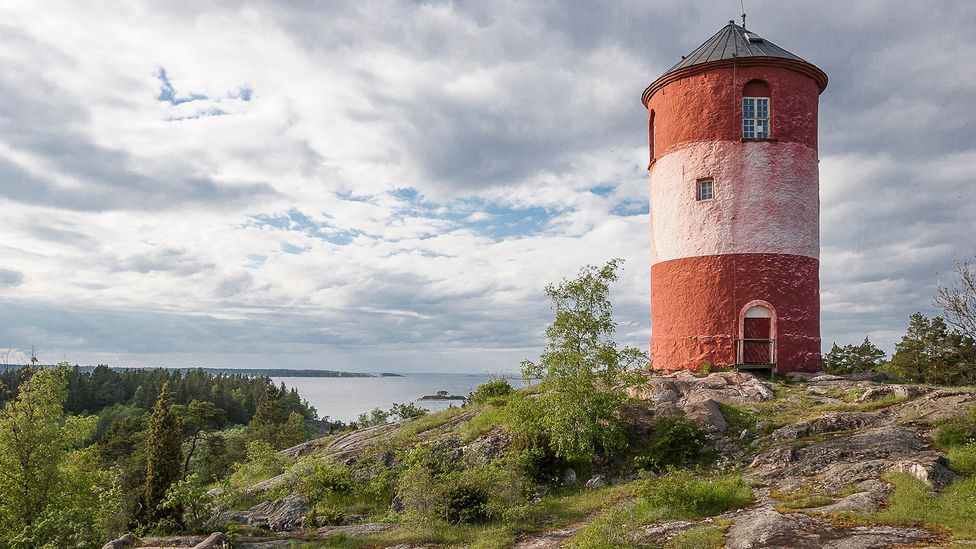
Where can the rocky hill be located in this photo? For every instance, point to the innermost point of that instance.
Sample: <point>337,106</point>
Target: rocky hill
<point>831,462</point>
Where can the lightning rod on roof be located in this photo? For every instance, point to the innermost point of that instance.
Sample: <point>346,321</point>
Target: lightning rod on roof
<point>742,4</point>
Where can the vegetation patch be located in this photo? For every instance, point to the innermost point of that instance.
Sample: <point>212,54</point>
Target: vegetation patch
<point>913,504</point>
<point>700,537</point>
<point>680,494</point>
<point>675,442</point>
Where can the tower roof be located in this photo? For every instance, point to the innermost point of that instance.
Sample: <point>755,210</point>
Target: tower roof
<point>734,44</point>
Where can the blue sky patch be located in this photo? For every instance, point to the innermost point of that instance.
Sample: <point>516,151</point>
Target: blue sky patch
<point>168,93</point>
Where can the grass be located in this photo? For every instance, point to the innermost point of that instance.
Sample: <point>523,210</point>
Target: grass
<point>808,497</point>
<point>411,429</point>
<point>488,418</point>
<point>683,494</point>
<point>740,419</point>
<point>911,504</point>
<point>701,537</point>
<point>962,459</point>
<point>552,512</point>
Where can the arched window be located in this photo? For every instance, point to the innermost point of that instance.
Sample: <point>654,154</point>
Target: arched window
<point>651,133</point>
<point>755,110</point>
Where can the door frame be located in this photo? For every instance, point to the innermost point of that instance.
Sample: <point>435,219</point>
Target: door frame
<point>740,349</point>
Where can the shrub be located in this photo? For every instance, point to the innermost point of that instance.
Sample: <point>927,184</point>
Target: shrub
<point>675,442</point>
<point>436,487</point>
<point>193,500</point>
<point>262,463</point>
<point>465,504</point>
<point>323,481</point>
<point>495,391</point>
<point>687,494</point>
<point>408,411</point>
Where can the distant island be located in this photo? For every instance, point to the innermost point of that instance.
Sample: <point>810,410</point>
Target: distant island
<point>442,395</point>
<point>253,372</point>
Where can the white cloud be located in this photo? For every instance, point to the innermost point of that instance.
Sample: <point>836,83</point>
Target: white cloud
<point>141,230</point>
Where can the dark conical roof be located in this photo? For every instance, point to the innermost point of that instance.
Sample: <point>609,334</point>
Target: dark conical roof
<point>733,42</point>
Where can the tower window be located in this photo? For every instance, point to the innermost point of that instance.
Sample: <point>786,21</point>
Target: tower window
<point>705,189</point>
<point>755,117</point>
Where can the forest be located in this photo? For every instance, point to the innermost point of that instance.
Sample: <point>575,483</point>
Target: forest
<point>87,454</point>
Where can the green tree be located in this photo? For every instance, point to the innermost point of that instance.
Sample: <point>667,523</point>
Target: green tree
<point>163,459</point>
<point>583,375</point>
<point>853,359</point>
<point>197,419</point>
<point>269,416</point>
<point>930,352</point>
<point>51,493</point>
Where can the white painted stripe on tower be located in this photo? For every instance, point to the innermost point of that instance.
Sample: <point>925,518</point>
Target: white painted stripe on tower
<point>766,200</point>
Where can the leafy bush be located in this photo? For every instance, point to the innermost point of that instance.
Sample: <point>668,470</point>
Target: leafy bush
<point>687,494</point>
<point>674,442</point>
<point>322,481</point>
<point>262,463</point>
<point>436,487</point>
<point>408,411</point>
<point>465,504</point>
<point>495,391</point>
<point>192,499</point>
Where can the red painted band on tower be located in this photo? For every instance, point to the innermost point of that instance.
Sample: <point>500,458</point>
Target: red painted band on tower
<point>697,305</point>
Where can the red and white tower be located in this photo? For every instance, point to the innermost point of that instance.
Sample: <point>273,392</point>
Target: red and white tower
<point>735,207</point>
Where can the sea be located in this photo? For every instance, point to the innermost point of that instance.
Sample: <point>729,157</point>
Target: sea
<point>344,398</point>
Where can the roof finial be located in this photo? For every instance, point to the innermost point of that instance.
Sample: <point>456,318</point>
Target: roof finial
<point>742,4</point>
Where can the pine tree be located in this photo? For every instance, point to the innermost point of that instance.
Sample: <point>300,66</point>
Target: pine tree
<point>163,458</point>
<point>269,417</point>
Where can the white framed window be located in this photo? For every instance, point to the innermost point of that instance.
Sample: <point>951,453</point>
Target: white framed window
<point>755,117</point>
<point>705,189</point>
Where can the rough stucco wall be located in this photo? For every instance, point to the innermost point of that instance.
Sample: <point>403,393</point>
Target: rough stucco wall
<point>696,302</point>
<point>708,107</point>
<point>766,200</point>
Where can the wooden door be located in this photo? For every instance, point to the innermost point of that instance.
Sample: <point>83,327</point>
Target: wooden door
<point>756,345</point>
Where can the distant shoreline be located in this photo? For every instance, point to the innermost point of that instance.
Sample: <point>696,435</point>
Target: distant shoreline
<point>254,372</point>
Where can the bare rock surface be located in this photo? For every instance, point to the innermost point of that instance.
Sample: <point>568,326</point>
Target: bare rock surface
<point>549,540</point>
<point>765,527</point>
<point>286,514</point>
<point>829,423</point>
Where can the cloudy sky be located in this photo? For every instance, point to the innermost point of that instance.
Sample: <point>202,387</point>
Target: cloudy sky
<point>389,185</point>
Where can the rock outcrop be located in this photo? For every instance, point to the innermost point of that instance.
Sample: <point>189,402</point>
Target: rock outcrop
<point>841,436</point>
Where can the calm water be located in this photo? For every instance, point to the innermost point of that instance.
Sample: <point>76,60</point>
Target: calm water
<point>344,398</point>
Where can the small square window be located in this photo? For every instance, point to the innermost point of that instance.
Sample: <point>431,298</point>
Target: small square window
<point>706,189</point>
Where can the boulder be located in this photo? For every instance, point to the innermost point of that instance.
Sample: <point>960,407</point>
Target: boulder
<point>707,415</point>
<point>284,515</point>
<point>596,481</point>
<point>124,542</point>
<point>569,477</point>
<point>217,540</point>
<point>897,391</point>
<point>933,470</point>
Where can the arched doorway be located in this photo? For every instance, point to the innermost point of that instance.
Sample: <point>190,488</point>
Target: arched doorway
<point>757,335</point>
